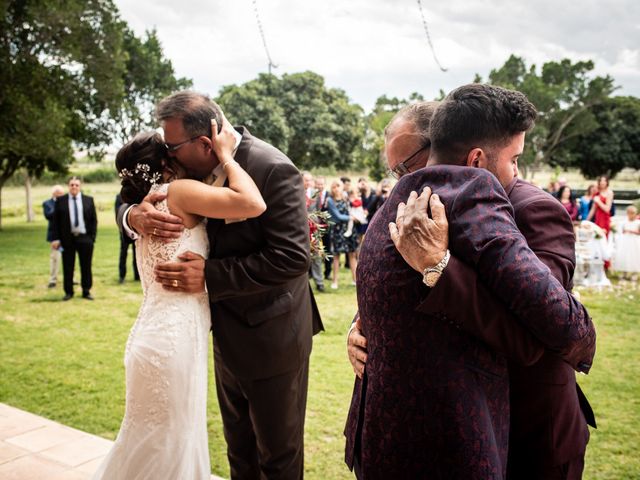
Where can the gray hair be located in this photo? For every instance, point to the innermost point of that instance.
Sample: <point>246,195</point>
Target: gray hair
<point>419,114</point>
<point>196,110</point>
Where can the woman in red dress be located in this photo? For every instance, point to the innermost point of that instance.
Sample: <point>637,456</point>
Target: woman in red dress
<point>600,212</point>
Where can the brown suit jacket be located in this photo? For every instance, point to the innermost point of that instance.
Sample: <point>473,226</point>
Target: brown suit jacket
<point>549,413</point>
<point>263,309</point>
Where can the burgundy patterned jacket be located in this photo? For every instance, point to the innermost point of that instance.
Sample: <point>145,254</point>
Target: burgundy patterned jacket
<point>549,412</point>
<point>434,402</point>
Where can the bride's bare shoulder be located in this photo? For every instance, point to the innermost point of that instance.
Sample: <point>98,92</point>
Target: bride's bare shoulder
<point>178,200</point>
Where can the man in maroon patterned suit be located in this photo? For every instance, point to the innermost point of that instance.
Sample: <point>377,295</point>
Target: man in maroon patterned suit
<point>549,413</point>
<point>436,398</point>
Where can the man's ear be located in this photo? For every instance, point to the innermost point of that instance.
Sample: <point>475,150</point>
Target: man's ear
<point>474,158</point>
<point>206,143</point>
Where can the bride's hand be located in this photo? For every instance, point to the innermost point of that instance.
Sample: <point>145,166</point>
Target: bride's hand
<point>224,142</point>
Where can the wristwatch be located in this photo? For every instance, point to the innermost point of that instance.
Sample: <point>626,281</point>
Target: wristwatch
<point>430,275</point>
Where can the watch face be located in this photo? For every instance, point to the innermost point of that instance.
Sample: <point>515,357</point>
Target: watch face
<point>431,278</point>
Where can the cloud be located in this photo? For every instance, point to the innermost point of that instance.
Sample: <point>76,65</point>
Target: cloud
<point>374,47</point>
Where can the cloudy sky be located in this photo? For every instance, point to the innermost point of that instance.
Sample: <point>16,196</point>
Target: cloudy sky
<point>374,47</point>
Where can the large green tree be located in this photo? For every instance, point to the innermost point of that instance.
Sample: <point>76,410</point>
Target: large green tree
<point>613,145</point>
<point>68,72</point>
<point>148,76</point>
<point>314,125</point>
<point>564,93</point>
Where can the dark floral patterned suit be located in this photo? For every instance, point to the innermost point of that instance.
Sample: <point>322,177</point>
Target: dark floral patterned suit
<point>549,412</point>
<point>434,402</point>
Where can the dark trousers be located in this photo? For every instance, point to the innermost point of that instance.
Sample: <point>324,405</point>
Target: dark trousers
<point>328,262</point>
<point>124,249</point>
<point>83,246</point>
<point>263,422</point>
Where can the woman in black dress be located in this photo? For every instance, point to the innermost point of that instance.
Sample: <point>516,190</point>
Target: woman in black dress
<point>338,208</point>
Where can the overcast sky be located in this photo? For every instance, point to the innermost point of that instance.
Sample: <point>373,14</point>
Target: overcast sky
<point>374,47</point>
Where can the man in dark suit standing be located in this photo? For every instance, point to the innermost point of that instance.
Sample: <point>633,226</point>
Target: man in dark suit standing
<point>125,241</point>
<point>436,397</point>
<point>263,310</point>
<point>549,413</point>
<point>48,207</point>
<point>75,225</point>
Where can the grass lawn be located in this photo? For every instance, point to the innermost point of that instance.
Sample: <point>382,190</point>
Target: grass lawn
<point>64,360</point>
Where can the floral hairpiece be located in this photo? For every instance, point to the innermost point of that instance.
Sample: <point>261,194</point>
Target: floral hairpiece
<point>141,170</point>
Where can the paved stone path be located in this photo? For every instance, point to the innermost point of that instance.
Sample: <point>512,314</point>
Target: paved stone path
<point>34,448</point>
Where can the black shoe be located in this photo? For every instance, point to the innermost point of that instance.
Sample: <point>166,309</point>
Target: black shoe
<point>87,296</point>
<point>121,280</point>
<point>52,285</point>
<point>320,288</point>
<point>68,296</point>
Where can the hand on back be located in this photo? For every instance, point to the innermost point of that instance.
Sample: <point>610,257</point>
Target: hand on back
<point>145,219</point>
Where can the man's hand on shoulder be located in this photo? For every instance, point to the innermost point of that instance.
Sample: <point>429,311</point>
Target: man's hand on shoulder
<point>145,219</point>
<point>357,348</point>
<point>421,240</point>
<point>184,276</point>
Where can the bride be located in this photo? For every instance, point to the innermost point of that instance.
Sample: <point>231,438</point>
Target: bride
<point>164,431</point>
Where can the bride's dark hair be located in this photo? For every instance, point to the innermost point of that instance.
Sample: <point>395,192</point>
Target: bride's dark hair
<point>140,164</point>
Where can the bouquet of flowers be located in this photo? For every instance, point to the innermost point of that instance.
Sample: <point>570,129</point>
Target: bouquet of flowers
<point>318,224</point>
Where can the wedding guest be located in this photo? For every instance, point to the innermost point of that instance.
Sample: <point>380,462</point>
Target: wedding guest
<point>48,207</point>
<point>384,188</point>
<point>569,203</point>
<point>368,198</point>
<point>346,185</point>
<point>125,241</point>
<point>75,226</point>
<point>312,196</point>
<point>309,186</point>
<point>627,254</point>
<point>338,208</point>
<point>600,213</point>
<point>586,202</point>
<point>321,204</point>
<point>356,212</point>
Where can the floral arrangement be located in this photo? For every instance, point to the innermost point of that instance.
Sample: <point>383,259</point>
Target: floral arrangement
<point>318,224</point>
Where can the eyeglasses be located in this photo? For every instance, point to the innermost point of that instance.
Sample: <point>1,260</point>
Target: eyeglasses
<point>175,147</point>
<point>403,167</point>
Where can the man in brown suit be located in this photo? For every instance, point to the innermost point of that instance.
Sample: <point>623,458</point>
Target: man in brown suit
<point>549,413</point>
<point>263,311</point>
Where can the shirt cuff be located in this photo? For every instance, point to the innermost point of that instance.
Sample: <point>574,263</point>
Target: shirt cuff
<point>125,224</point>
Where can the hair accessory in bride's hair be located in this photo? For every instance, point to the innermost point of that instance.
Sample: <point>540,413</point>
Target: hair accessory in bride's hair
<point>142,171</point>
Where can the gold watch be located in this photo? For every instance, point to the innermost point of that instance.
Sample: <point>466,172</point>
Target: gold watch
<point>430,275</point>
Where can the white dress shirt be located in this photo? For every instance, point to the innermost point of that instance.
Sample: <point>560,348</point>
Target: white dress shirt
<point>81,228</point>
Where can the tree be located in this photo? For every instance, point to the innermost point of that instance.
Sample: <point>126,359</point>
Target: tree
<point>564,94</point>
<point>613,145</point>
<point>314,125</point>
<point>148,76</point>
<point>63,73</point>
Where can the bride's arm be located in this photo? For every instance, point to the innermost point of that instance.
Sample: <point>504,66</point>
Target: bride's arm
<point>241,199</point>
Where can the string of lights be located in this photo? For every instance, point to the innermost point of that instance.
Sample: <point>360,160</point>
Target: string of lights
<point>426,31</point>
<point>264,39</point>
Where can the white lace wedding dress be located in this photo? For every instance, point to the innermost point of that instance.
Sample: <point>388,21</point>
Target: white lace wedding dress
<point>164,431</point>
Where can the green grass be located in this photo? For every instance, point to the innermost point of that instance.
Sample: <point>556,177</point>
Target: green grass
<point>64,360</point>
